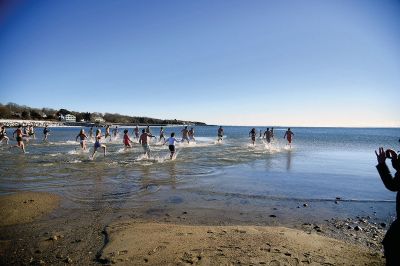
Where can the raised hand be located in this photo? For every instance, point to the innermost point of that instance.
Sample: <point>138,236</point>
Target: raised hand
<point>381,156</point>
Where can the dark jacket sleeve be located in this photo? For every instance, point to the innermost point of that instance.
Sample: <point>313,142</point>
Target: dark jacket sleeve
<point>393,184</point>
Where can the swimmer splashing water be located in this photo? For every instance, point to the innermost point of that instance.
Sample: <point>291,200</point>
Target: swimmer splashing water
<point>98,144</point>
<point>20,135</point>
<point>288,135</point>
<point>144,141</point>
<point>220,134</point>
<point>171,144</point>
<point>82,139</point>
<point>253,134</point>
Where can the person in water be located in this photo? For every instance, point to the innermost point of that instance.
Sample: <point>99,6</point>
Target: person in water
<point>272,134</point>
<point>148,130</point>
<point>97,143</point>
<point>220,134</point>
<point>253,134</point>
<point>267,135</point>
<point>185,133</point>
<point>127,139</point>
<point>31,132</point>
<point>115,131</point>
<point>82,139</point>
<point>162,134</point>
<point>19,135</point>
<point>91,132</point>
<point>46,132</point>
<point>391,241</point>
<point>191,134</point>
<point>3,134</point>
<point>289,135</point>
<point>107,132</point>
<point>136,131</point>
<point>144,141</point>
<point>171,144</point>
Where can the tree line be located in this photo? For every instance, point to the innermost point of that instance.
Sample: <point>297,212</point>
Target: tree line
<point>15,111</point>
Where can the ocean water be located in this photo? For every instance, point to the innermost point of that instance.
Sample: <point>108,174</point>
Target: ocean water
<point>322,164</point>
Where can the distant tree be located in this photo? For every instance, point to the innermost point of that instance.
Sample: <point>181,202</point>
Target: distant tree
<point>25,115</point>
<point>63,112</point>
<point>35,115</point>
<point>5,112</point>
<point>86,116</point>
<point>51,117</point>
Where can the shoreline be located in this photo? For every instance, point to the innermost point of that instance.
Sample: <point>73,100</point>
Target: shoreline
<point>42,123</point>
<point>81,236</point>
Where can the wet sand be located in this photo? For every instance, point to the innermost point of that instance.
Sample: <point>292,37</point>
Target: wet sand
<point>24,207</point>
<point>104,235</point>
<point>132,243</point>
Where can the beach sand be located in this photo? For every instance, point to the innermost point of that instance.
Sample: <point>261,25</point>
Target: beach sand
<point>104,236</point>
<point>135,243</point>
<point>24,207</point>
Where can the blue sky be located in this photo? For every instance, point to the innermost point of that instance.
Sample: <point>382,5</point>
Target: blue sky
<point>295,63</point>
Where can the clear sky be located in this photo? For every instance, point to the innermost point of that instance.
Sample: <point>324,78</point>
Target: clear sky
<point>294,63</point>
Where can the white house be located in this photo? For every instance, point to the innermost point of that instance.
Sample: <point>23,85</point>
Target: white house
<point>69,118</point>
<point>98,119</point>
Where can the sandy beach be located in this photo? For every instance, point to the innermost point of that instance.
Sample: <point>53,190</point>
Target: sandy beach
<point>37,233</point>
<point>171,244</point>
<point>24,207</point>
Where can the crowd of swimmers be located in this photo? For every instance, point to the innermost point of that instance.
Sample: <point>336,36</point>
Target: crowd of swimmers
<point>268,135</point>
<point>22,134</point>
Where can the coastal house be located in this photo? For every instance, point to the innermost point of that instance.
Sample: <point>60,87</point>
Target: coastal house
<point>68,118</point>
<point>97,119</point>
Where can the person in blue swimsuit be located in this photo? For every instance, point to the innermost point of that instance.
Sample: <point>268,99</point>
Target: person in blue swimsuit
<point>98,144</point>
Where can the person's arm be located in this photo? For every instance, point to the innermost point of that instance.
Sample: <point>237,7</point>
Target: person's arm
<point>285,135</point>
<point>392,184</point>
<point>76,138</point>
<point>395,159</point>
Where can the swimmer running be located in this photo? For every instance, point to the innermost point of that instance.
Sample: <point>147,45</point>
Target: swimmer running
<point>19,135</point>
<point>185,133</point>
<point>98,144</point>
<point>288,135</point>
<point>220,133</point>
<point>82,139</point>
<point>144,141</point>
<point>253,134</point>
<point>171,144</point>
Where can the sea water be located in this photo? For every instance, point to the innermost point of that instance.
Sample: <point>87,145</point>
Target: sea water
<point>321,165</point>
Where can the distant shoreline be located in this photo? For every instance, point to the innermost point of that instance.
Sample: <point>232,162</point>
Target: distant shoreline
<point>42,123</point>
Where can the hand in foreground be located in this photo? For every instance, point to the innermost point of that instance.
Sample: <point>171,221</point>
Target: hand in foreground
<point>381,157</point>
<point>391,154</point>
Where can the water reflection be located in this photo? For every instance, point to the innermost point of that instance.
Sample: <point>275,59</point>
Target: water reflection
<point>288,160</point>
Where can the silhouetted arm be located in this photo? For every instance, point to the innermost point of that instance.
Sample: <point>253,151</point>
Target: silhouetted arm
<point>393,184</point>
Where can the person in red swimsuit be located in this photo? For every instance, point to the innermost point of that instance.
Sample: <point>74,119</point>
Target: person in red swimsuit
<point>288,135</point>
<point>127,139</point>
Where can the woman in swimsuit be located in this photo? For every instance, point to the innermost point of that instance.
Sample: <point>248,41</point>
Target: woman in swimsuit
<point>162,134</point>
<point>3,134</point>
<point>97,143</point>
<point>82,136</point>
<point>20,135</point>
<point>127,139</point>
<point>253,133</point>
